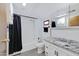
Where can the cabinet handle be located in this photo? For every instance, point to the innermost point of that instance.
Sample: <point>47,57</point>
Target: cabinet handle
<point>56,53</point>
<point>46,53</point>
<point>46,47</point>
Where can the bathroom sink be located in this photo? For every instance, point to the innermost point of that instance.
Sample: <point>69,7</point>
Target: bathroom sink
<point>67,44</point>
<point>62,44</point>
<point>73,48</point>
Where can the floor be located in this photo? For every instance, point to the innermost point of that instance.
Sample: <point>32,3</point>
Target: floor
<point>31,53</point>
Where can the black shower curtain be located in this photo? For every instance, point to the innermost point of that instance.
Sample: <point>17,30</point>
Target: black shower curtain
<point>17,33</point>
<point>16,41</point>
<point>11,38</point>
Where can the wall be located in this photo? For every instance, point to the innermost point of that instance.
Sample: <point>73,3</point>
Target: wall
<point>38,29</point>
<point>72,33</point>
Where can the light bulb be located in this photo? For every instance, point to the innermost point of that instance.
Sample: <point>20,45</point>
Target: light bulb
<point>24,4</point>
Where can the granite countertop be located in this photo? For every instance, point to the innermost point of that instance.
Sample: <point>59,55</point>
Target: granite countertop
<point>64,44</point>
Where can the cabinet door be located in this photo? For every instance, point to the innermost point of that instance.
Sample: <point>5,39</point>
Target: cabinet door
<point>52,50</point>
<point>62,53</point>
<point>49,49</point>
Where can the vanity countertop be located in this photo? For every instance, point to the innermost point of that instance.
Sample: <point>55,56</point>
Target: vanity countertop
<point>65,44</point>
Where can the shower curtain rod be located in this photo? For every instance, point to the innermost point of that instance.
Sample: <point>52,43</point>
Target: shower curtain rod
<point>26,16</point>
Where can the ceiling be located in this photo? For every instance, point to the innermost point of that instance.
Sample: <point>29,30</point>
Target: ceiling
<point>39,10</point>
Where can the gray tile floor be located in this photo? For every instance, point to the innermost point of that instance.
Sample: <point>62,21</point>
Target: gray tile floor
<point>31,53</point>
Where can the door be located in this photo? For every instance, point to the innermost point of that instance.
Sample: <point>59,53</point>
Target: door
<point>28,39</point>
<point>3,28</point>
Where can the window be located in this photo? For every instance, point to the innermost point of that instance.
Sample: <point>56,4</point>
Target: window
<point>61,21</point>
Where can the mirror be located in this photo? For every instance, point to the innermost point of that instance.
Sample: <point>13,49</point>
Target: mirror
<point>61,22</point>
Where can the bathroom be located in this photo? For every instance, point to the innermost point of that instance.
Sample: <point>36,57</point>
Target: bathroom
<point>39,29</point>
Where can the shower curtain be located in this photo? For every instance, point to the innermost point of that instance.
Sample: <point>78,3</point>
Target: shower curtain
<point>16,40</point>
<point>11,38</point>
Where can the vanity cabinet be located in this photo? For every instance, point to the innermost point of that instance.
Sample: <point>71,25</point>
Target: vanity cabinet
<point>53,50</point>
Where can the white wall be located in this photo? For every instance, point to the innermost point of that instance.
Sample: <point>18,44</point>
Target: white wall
<point>70,34</point>
<point>38,28</point>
